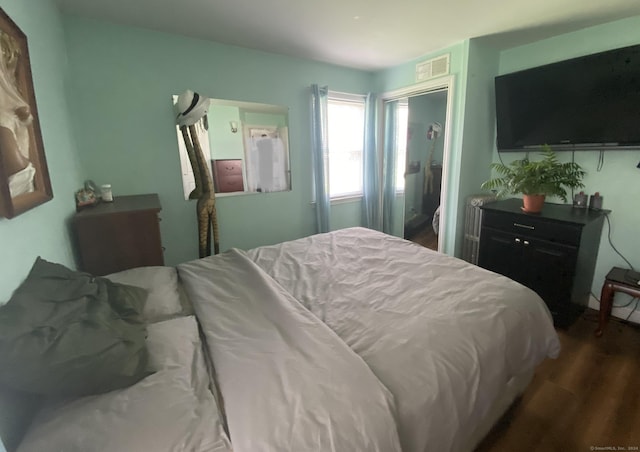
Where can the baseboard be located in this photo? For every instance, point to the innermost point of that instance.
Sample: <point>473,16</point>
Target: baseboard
<point>620,313</point>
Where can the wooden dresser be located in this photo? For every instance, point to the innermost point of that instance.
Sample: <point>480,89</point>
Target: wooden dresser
<point>553,253</point>
<point>227,175</point>
<point>119,235</point>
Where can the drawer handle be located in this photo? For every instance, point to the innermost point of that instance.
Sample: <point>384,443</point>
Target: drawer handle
<point>526,243</point>
<point>526,226</point>
<point>517,240</point>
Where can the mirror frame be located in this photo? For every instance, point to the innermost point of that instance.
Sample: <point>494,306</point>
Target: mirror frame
<point>240,129</point>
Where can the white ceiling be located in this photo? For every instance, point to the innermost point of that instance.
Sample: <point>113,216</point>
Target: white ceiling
<point>362,34</point>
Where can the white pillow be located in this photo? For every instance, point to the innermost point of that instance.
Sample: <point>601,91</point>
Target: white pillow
<point>161,283</point>
<point>171,410</point>
<point>173,343</point>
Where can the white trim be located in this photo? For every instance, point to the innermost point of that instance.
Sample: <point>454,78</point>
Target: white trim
<point>437,84</point>
<point>347,99</point>
<point>339,95</point>
<point>346,198</point>
<point>252,107</point>
<point>342,199</point>
<point>430,86</point>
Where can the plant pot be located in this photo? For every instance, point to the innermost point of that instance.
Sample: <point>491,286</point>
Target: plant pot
<point>532,203</point>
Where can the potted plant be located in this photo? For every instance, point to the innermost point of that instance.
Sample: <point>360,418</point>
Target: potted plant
<point>536,179</point>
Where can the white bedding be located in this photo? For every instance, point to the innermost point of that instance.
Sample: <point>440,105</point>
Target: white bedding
<point>288,382</point>
<point>172,410</point>
<point>444,336</point>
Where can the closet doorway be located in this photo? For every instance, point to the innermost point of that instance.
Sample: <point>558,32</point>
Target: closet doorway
<point>416,149</point>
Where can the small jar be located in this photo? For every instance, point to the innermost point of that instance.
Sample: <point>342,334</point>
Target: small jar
<point>107,194</point>
<point>595,201</point>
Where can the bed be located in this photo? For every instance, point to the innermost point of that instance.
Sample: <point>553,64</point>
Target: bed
<point>347,341</point>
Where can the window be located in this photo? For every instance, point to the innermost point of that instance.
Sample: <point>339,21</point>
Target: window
<point>345,117</point>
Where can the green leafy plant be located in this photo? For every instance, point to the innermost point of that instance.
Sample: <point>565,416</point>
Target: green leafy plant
<point>543,177</point>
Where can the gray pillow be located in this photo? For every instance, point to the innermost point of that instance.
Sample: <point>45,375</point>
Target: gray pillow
<point>172,410</point>
<point>68,333</point>
<point>165,298</point>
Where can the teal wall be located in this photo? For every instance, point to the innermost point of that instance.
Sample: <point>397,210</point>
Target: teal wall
<point>124,78</point>
<point>403,76</point>
<point>224,143</point>
<point>264,119</point>
<point>619,180</point>
<point>42,231</point>
<point>478,134</point>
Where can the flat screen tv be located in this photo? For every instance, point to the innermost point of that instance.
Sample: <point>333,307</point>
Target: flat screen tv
<point>591,102</point>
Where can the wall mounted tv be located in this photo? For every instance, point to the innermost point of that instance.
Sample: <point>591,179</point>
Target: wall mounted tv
<point>591,102</point>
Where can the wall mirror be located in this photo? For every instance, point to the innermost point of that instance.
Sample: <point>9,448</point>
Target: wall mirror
<point>416,148</point>
<point>247,145</point>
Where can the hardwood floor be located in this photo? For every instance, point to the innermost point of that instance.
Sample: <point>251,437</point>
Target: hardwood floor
<point>427,238</point>
<point>588,398</point>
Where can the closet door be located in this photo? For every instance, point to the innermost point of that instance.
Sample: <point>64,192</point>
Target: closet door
<point>415,149</point>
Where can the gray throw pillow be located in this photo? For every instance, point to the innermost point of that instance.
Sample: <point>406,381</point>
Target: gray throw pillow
<point>67,333</point>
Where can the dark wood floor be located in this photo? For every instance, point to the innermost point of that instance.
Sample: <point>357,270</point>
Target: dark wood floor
<point>587,398</point>
<point>426,238</point>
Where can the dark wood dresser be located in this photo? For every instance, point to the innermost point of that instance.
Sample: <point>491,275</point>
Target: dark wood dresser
<point>553,253</point>
<point>227,175</point>
<point>119,235</point>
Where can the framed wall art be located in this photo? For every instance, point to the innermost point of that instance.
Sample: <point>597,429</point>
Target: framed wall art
<point>24,177</point>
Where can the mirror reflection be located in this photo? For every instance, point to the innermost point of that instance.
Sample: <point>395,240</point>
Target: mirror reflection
<point>247,144</point>
<point>414,128</point>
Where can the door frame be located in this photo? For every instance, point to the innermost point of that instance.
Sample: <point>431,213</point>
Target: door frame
<point>419,89</point>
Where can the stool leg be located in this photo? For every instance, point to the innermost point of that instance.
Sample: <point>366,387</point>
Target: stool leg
<point>606,303</point>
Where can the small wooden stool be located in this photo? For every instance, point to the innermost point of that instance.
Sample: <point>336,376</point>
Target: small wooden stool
<point>617,280</point>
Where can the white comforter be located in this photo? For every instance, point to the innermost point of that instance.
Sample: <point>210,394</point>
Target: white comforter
<point>288,382</point>
<point>443,336</point>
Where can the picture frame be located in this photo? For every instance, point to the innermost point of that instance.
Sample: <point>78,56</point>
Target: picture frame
<point>24,175</point>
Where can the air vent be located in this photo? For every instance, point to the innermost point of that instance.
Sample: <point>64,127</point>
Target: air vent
<point>435,67</point>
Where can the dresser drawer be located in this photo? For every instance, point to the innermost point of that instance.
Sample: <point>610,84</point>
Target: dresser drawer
<point>224,168</point>
<point>228,184</point>
<point>118,235</point>
<point>531,226</point>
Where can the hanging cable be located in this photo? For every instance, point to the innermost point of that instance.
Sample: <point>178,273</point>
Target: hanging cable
<point>614,305</point>
<point>606,216</point>
<point>633,310</point>
<point>600,161</point>
<point>625,305</point>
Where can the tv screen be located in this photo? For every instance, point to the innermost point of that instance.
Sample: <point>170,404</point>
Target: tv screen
<point>583,103</point>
